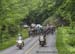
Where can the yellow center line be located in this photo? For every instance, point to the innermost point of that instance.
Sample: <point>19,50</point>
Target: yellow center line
<point>28,51</point>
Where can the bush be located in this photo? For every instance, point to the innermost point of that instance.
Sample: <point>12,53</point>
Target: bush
<point>65,41</point>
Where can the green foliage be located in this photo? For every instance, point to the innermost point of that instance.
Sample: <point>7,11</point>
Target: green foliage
<point>43,11</point>
<point>66,10</point>
<point>65,40</point>
<point>7,44</point>
<point>50,20</point>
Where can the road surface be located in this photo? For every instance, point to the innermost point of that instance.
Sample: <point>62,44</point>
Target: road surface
<point>32,47</point>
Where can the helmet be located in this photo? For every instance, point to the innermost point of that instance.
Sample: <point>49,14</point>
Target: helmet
<point>19,34</point>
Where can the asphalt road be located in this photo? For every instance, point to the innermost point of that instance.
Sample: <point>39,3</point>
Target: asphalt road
<point>32,47</point>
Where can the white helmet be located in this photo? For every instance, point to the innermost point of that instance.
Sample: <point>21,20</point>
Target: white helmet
<point>19,34</point>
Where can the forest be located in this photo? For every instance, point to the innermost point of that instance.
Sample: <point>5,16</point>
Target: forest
<point>13,13</point>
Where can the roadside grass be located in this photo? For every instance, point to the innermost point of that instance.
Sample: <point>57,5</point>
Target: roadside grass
<point>7,44</point>
<point>65,41</point>
<point>12,41</point>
